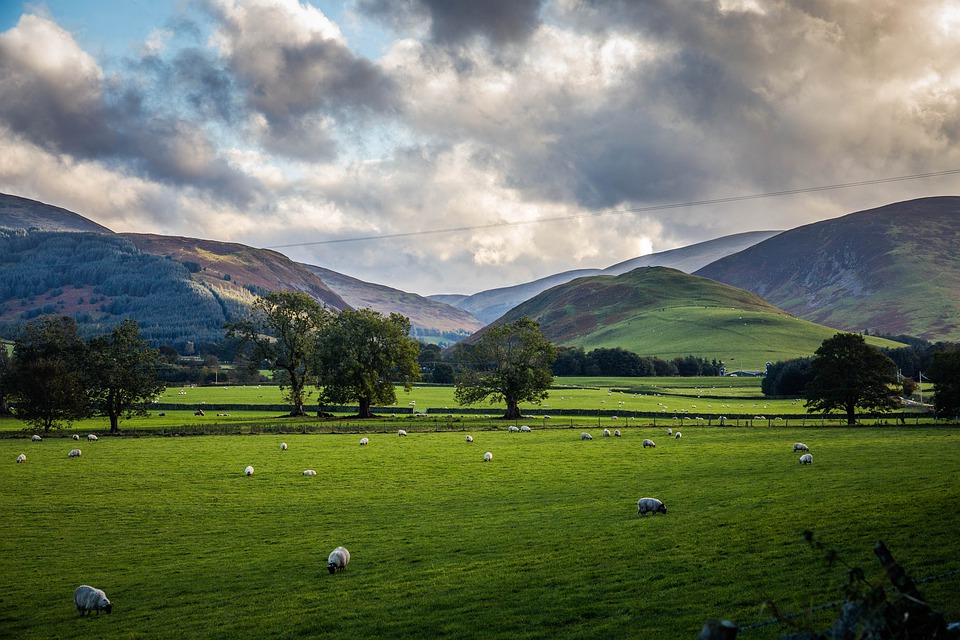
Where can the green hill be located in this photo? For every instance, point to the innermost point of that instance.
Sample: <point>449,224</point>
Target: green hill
<point>891,270</point>
<point>663,312</point>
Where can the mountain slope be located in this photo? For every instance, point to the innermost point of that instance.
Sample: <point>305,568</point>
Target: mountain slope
<point>892,270</point>
<point>22,213</point>
<point>431,320</point>
<point>493,303</point>
<point>667,313</point>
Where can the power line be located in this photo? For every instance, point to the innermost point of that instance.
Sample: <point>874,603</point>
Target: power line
<point>597,214</point>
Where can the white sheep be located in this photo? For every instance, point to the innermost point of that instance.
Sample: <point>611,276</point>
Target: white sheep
<point>87,598</point>
<point>249,470</point>
<point>283,446</point>
<point>401,433</point>
<point>364,442</point>
<point>669,432</point>
<point>36,438</point>
<point>799,446</point>
<point>338,560</point>
<point>525,428</point>
<point>647,442</point>
<point>469,438</point>
<point>606,433</point>
<point>616,433</point>
<point>806,459</point>
<point>586,436</point>
<point>74,453</point>
<point>21,458</point>
<point>650,505</point>
<point>677,436</point>
<point>76,437</point>
<point>487,457</point>
<point>92,437</point>
<point>513,429</point>
<point>309,472</point>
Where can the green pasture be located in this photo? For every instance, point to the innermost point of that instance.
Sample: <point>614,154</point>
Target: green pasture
<point>542,542</point>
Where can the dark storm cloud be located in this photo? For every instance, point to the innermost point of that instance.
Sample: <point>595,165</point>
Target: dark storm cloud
<point>456,21</point>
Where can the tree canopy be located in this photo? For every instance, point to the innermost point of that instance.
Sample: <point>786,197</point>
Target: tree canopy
<point>360,357</point>
<point>848,374</point>
<point>945,373</point>
<point>510,363</point>
<point>122,377</point>
<point>283,330</point>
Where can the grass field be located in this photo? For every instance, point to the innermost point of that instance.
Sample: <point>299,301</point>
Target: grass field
<point>542,542</point>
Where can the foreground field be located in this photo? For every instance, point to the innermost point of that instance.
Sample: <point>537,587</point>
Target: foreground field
<point>542,542</point>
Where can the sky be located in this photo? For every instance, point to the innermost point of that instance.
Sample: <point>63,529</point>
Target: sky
<point>453,146</point>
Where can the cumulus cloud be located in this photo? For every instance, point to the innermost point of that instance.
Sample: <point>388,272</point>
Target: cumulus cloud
<point>266,122</point>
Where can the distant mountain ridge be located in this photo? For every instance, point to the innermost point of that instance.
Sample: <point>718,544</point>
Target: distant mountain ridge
<point>23,213</point>
<point>892,270</point>
<point>491,304</point>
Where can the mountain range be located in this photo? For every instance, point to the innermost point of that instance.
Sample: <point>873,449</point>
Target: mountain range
<point>889,270</point>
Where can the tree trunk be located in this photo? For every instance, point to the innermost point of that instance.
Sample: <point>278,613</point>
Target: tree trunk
<point>114,423</point>
<point>851,415</point>
<point>364,411</point>
<point>513,410</point>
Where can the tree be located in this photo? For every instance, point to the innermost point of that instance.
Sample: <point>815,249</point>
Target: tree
<point>510,363</point>
<point>45,381</point>
<point>5,365</point>
<point>945,373</point>
<point>122,374</point>
<point>787,377</point>
<point>362,355</point>
<point>847,373</point>
<point>283,329</point>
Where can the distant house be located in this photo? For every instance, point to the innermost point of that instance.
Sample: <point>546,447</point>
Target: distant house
<point>746,374</point>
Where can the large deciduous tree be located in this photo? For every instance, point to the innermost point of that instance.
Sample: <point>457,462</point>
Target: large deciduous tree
<point>45,381</point>
<point>847,374</point>
<point>283,330</point>
<point>122,374</point>
<point>362,355</point>
<point>510,363</point>
<point>945,373</point>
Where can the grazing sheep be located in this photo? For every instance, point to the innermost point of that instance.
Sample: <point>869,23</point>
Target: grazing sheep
<point>338,559</point>
<point>469,438</point>
<point>249,470</point>
<point>647,442</point>
<point>76,437</point>
<point>799,446</point>
<point>806,459</point>
<point>650,505</point>
<point>677,436</point>
<point>21,458</point>
<point>87,598</point>
<point>525,428</point>
<point>401,433</point>
<point>669,432</point>
<point>309,472</point>
<point>616,433</point>
<point>487,457</point>
<point>283,446</point>
<point>606,433</point>
<point>586,436</point>
<point>74,453</point>
<point>199,412</point>
<point>513,429</point>
<point>36,438</point>
<point>364,442</point>
<point>92,438</point>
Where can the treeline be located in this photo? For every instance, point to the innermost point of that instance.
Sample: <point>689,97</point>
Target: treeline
<point>574,361</point>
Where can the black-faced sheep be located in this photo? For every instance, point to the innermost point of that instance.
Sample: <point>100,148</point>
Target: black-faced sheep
<point>364,442</point>
<point>806,459</point>
<point>87,598</point>
<point>799,446</point>
<point>616,433</point>
<point>524,428</point>
<point>36,438</point>
<point>669,432</point>
<point>338,559</point>
<point>249,470</point>
<point>74,453</point>
<point>606,433</point>
<point>21,458</point>
<point>469,438</point>
<point>283,446</point>
<point>650,505</point>
<point>586,436</point>
<point>677,436</point>
<point>487,457</point>
<point>309,472</point>
<point>513,429</point>
<point>92,438</point>
<point>647,442</point>
<point>401,433</point>
<point>76,437</point>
